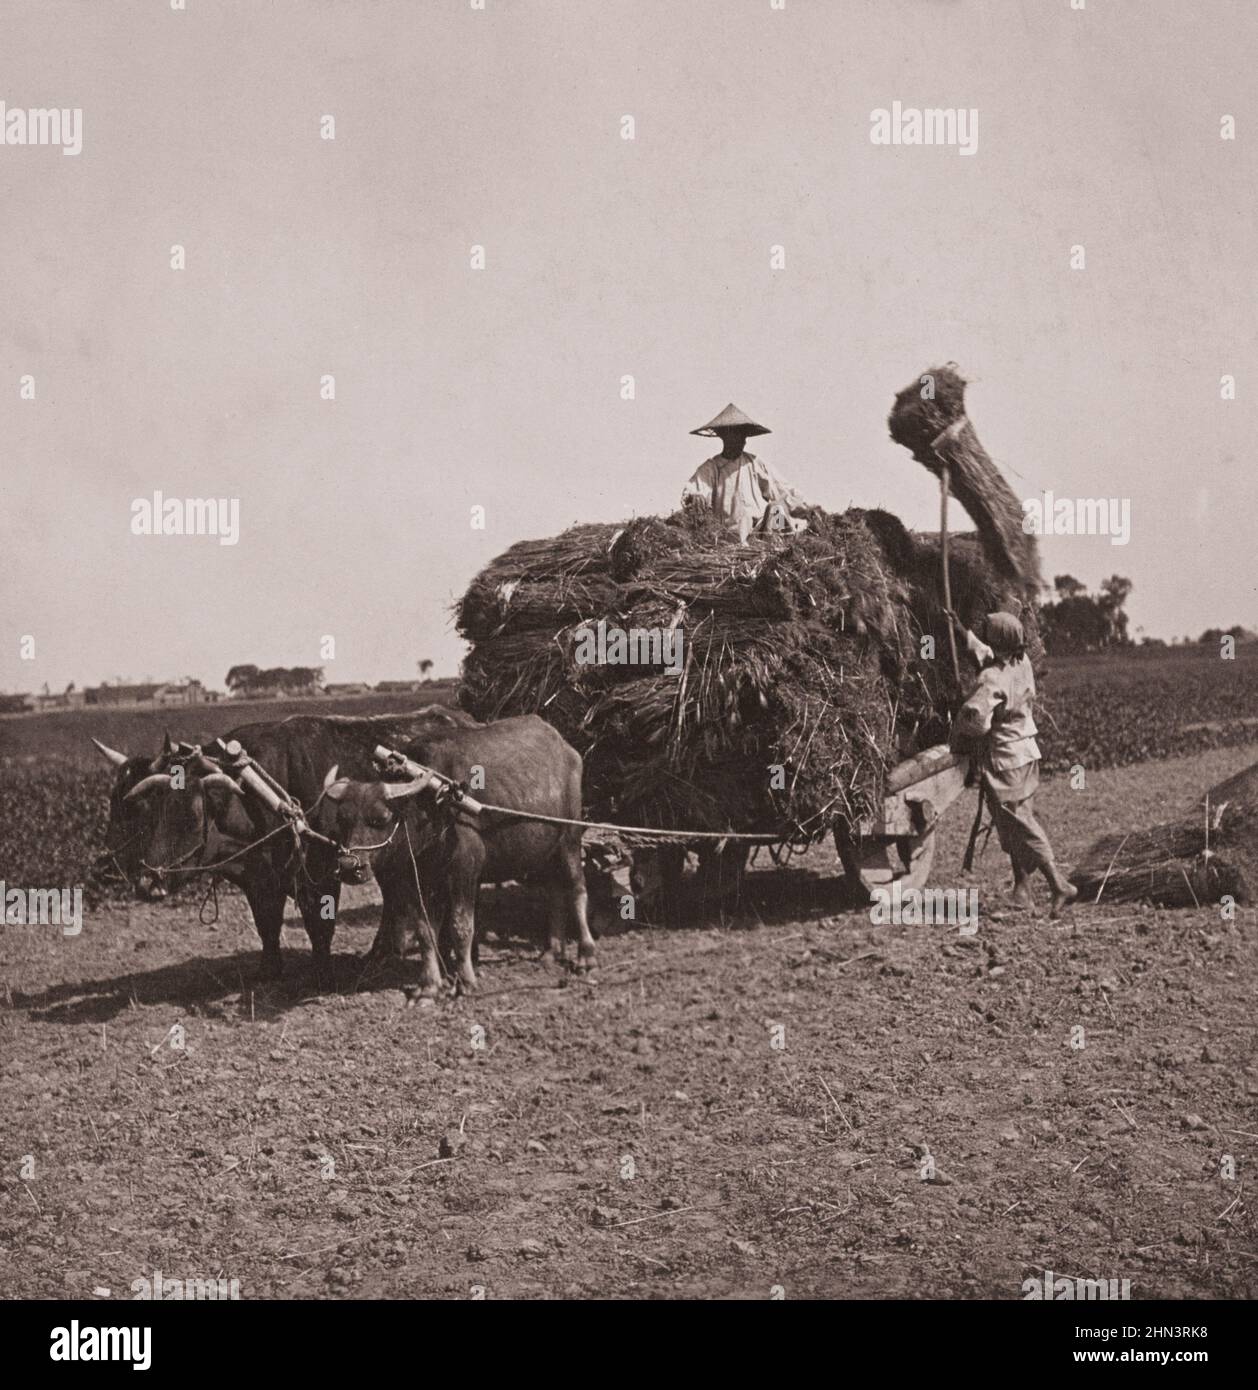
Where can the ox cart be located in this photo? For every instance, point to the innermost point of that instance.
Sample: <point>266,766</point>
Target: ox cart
<point>894,845</point>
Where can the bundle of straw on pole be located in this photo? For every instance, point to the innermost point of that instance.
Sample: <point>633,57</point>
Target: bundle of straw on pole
<point>1212,852</point>
<point>929,419</point>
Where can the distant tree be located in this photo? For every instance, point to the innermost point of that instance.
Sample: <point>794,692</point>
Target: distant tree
<point>1115,592</point>
<point>255,680</point>
<point>1212,636</point>
<point>1081,622</point>
<point>241,678</point>
<point>424,666</point>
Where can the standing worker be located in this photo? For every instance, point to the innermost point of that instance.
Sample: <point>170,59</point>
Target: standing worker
<point>997,714</point>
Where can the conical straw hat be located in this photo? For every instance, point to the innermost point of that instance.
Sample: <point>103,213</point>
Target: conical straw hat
<point>731,418</point>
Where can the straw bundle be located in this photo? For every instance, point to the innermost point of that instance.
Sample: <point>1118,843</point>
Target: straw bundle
<point>934,406</point>
<point>1211,853</point>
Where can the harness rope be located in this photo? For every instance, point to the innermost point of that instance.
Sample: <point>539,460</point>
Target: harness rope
<point>797,835</point>
<point>296,821</point>
<point>218,863</point>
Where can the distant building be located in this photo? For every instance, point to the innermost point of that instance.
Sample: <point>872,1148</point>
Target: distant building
<point>67,699</point>
<point>398,687</point>
<point>347,688</point>
<point>186,693</point>
<point>16,704</point>
<point>277,692</point>
<point>158,696</point>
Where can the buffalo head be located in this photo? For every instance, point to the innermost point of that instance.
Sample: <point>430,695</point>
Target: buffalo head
<point>363,818</point>
<point>161,812</point>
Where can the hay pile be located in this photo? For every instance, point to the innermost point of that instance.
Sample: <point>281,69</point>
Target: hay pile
<point>1211,853</point>
<point>801,652</point>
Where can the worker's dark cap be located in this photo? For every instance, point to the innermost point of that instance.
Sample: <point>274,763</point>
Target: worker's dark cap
<point>1003,633</point>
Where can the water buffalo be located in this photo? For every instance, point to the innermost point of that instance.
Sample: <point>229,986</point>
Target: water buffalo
<point>431,854</point>
<point>175,815</point>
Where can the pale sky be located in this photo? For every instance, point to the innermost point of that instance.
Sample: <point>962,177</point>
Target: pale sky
<point>604,257</point>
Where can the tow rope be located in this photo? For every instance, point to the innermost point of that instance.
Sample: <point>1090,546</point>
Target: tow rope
<point>398,764</point>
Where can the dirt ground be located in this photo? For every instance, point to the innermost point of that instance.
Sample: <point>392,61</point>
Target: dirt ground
<point>722,1112</point>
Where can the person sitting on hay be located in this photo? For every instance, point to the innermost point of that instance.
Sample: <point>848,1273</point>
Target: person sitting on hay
<point>740,487</point>
<point>996,722</point>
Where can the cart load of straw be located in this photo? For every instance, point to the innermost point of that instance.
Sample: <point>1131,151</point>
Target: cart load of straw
<point>1210,854</point>
<point>718,686</point>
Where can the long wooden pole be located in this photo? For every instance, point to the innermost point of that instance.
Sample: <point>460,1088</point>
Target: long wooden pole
<point>943,560</point>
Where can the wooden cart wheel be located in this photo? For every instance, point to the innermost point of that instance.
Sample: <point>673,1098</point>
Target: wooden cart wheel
<point>909,859</point>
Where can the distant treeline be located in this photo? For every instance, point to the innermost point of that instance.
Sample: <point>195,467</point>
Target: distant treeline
<point>1077,622</point>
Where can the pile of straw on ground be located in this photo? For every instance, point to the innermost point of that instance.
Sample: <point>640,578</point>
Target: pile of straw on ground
<point>1211,853</point>
<point>802,653</point>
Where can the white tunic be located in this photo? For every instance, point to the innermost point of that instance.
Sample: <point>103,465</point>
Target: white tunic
<point>741,490</point>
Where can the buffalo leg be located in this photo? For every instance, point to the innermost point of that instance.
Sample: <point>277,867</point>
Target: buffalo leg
<point>575,900</point>
<point>266,901</point>
<point>458,897</point>
<point>556,922</point>
<point>556,942</point>
<point>390,938</point>
<point>463,932</point>
<point>429,960</point>
<point>319,927</point>
<point>405,912</point>
<point>461,925</point>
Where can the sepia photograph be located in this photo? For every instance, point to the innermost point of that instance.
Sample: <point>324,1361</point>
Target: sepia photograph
<point>628,664</point>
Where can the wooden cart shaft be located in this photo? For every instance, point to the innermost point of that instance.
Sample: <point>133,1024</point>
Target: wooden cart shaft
<point>918,792</point>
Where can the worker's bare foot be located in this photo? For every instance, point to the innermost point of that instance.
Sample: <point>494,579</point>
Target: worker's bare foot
<point>1063,895</point>
<point>1021,896</point>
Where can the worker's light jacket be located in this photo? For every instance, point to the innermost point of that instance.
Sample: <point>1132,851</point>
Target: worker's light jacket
<point>999,709</point>
<point>741,489</point>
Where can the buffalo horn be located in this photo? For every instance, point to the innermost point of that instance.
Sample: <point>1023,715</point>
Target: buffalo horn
<point>152,781</point>
<point>112,754</point>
